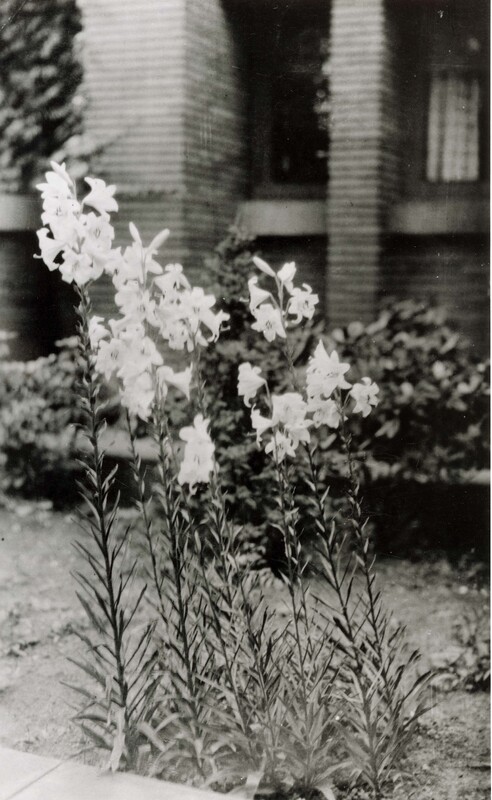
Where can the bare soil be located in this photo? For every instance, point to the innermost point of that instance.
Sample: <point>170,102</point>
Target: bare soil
<point>39,611</point>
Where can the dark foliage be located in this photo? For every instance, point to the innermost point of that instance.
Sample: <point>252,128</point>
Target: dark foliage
<point>40,77</point>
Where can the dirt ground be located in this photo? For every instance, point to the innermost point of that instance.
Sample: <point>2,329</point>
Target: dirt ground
<point>39,611</point>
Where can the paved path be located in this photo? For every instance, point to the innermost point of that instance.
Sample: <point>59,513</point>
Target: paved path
<point>25,776</point>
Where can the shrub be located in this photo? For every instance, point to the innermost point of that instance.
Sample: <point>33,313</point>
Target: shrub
<point>246,472</point>
<point>40,77</point>
<point>432,421</point>
<point>38,414</point>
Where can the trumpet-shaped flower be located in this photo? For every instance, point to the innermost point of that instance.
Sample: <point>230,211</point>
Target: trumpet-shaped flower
<point>269,322</point>
<point>97,331</point>
<point>137,395</point>
<point>158,241</point>
<point>302,303</point>
<point>101,196</point>
<point>263,266</point>
<point>249,381</point>
<point>99,234</point>
<point>79,268</point>
<point>176,333</point>
<point>181,380</point>
<point>135,303</point>
<point>109,357</point>
<point>364,395</point>
<point>281,445</point>
<point>59,213</point>
<point>259,424</point>
<point>256,294</point>
<point>61,171</point>
<point>50,248</point>
<point>138,356</point>
<point>289,410</point>
<point>286,275</point>
<point>198,458</point>
<point>171,281</point>
<point>56,184</point>
<point>325,373</point>
<point>214,324</point>
<point>325,412</point>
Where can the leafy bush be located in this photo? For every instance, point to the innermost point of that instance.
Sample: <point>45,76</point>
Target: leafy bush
<point>467,663</point>
<point>246,472</point>
<point>38,412</point>
<point>432,421</point>
<point>472,668</point>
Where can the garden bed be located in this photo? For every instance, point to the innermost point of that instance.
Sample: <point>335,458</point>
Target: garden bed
<point>39,612</point>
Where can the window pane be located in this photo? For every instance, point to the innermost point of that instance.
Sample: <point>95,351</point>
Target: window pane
<point>299,138</point>
<point>453,137</point>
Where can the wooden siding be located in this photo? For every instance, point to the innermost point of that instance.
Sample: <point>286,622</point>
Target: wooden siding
<point>363,163</point>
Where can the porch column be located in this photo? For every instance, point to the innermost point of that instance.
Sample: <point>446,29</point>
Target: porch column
<point>363,157</point>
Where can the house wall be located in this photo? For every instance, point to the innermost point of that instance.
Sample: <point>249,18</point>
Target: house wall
<point>168,92</point>
<point>167,105</point>
<point>437,233</point>
<point>391,231</point>
<point>215,134</point>
<point>363,162</point>
<point>134,80</point>
<point>451,269</point>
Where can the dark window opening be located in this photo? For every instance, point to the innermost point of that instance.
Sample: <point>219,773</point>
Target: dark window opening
<point>299,140</point>
<point>288,51</point>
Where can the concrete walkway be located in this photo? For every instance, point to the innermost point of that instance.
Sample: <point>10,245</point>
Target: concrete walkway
<point>25,776</point>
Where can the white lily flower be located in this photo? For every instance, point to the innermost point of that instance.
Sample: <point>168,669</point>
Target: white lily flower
<point>50,248</point>
<point>325,373</point>
<point>289,410</point>
<point>302,303</point>
<point>269,322</point>
<point>259,424</point>
<point>158,241</point>
<point>286,275</point>
<point>325,412</point>
<point>101,196</point>
<point>198,458</point>
<point>97,331</point>
<point>263,266</point>
<point>181,380</point>
<point>364,395</point>
<point>280,445</point>
<point>249,381</point>
<point>256,294</point>
<point>137,395</point>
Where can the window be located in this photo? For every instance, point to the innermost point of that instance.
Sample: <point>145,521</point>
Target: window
<point>288,48</point>
<point>298,138</point>
<point>453,128</point>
